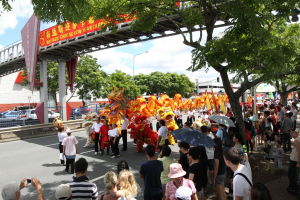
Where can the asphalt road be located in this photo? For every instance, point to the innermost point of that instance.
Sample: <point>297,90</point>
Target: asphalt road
<point>39,157</point>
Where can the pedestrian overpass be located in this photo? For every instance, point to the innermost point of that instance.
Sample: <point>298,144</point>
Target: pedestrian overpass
<point>12,56</point>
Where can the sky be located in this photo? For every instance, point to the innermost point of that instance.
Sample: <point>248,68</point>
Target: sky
<point>165,55</point>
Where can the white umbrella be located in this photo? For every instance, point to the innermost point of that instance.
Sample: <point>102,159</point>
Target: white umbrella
<point>222,120</point>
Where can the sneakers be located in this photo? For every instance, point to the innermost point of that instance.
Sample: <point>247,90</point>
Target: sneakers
<point>113,156</point>
<point>96,153</point>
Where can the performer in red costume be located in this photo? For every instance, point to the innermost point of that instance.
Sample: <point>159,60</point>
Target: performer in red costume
<point>141,132</point>
<point>104,137</point>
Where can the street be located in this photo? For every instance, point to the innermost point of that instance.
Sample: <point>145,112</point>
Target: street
<point>39,157</point>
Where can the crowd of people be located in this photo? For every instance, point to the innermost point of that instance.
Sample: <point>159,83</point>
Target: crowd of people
<point>198,167</point>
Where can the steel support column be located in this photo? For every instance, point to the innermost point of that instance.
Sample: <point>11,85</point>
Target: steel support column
<point>62,89</point>
<point>44,89</point>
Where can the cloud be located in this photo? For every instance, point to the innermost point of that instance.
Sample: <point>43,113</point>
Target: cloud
<point>167,54</point>
<point>20,9</point>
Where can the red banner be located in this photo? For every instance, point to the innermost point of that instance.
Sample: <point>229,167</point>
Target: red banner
<point>30,36</point>
<point>69,30</point>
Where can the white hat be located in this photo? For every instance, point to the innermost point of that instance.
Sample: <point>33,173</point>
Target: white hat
<point>176,171</point>
<point>183,193</point>
<point>9,191</point>
<point>63,191</point>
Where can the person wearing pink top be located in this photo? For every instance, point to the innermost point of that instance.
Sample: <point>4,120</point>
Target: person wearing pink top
<point>176,175</point>
<point>69,150</point>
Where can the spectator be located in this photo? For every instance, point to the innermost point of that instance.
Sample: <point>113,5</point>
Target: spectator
<point>61,135</point>
<point>183,160</point>
<point>278,154</point>
<point>122,165</point>
<point>294,110</point>
<point>63,192</point>
<point>96,132</point>
<point>81,187</point>
<point>209,153</point>
<point>150,171</point>
<point>177,180</point>
<point>166,160</point>
<point>127,185</point>
<point>12,191</point>
<point>260,192</point>
<point>124,131</point>
<point>286,125</point>
<point>162,134</point>
<point>198,169</point>
<point>70,150</point>
<point>294,163</point>
<point>242,179</point>
<point>183,193</point>
<point>219,170</point>
<point>110,182</point>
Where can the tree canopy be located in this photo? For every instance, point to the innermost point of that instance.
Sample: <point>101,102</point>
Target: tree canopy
<point>169,83</point>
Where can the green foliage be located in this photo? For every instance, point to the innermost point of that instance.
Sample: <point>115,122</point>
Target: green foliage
<point>90,80</point>
<point>169,83</point>
<point>5,6</point>
<point>120,79</point>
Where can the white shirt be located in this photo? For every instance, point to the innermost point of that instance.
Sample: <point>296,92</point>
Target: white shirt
<point>113,132</point>
<point>61,136</point>
<point>70,144</point>
<point>163,131</point>
<point>241,187</point>
<point>210,152</point>
<point>96,127</point>
<point>125,124</point>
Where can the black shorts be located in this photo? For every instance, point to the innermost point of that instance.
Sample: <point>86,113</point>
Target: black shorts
<point>211,164</point>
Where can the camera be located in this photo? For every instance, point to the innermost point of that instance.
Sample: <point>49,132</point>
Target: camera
<point>28,181</point>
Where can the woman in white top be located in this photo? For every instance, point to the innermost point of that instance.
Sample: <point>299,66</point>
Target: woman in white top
<point>162,134</point>
<point>61,135</point>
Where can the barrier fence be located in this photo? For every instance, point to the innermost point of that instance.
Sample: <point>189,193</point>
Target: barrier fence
<point>25,117</point>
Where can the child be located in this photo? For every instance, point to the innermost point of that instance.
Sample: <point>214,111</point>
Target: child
<point>269,141</point>
<point>278,154</point>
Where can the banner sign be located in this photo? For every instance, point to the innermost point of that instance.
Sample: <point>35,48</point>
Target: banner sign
<point>30,36</point>
<point>69,30</point>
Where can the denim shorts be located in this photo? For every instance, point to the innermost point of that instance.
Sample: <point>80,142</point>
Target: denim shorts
<point>220,179</point>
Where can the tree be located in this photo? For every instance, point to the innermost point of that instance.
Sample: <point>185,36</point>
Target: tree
<point>90,80</point>
<point>248,47</point>
<point>169,83</point>
<point>5,5</point>
<point>120,80</point>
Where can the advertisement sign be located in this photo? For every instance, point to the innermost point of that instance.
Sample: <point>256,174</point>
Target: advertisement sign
<point>69,30</point>
<point>30,36</point>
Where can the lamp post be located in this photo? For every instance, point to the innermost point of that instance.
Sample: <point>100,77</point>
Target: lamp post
<point>133,62</point>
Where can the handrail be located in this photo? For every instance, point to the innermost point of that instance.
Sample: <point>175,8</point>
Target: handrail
<point>31,127</point>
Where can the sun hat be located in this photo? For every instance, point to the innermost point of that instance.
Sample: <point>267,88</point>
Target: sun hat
<point>183,193</point>
<point>63,191</point>
<point>176,171</point>
<point>9,191</point>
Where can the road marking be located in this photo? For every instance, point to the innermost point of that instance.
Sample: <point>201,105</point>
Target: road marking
<point>97,179</point>
<point>86,152</point>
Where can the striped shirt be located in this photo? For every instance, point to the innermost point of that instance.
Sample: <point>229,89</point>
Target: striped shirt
<point>82,189</point>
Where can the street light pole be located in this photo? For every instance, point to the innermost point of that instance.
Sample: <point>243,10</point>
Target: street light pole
<point>133,62</point>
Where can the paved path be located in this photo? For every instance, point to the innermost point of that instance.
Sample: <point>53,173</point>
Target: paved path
<point>39,157</point>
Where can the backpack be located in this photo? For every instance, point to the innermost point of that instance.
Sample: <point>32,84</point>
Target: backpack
<point>227,141</point>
